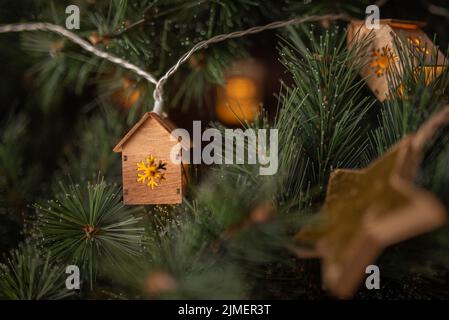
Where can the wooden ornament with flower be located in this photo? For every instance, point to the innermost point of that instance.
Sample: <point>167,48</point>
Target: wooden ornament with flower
<point>148,172</point>
<point>384,53</point>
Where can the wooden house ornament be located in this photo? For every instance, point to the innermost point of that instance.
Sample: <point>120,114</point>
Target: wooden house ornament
<point>149,175</point>
<point>384,54</point>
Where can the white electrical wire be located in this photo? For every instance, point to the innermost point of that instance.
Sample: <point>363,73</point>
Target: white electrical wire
<point>236,34</point>
<point>158,90</point>
<point>42,26</point>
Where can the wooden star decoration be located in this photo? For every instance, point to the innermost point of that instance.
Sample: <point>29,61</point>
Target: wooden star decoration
<point>369,209</point>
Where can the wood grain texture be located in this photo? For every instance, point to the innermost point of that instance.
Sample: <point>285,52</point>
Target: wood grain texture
<point>379,85</point>
<point>383,37</point>
<point>150,139</point>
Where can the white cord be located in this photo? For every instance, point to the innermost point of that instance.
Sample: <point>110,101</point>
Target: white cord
<point>158,90</point>
<point>42,26</point>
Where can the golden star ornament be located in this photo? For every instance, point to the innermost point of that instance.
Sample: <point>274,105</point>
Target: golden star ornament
<point>369,209</point>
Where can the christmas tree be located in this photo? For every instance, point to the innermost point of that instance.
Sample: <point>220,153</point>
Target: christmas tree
<point>358,179</point>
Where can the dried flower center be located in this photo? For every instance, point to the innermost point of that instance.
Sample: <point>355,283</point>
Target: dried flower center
<point>90,231</point>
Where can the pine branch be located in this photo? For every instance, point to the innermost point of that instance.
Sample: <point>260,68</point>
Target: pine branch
<point>118,26</point>
<point>90,226</point>
<point>321,116</point>
<point>434,174</point>
<point>29,275</point>
<point>414,94</point>
<point>91,153</point>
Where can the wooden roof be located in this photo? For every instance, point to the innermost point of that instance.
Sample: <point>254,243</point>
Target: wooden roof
<point>396,23</point>
<point>167,125</point>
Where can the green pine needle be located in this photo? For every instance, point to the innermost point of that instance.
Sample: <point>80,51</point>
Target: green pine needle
<point>321,118</point>
<point>89,225</point>
<point>413,98</point>
<point>29,275</point>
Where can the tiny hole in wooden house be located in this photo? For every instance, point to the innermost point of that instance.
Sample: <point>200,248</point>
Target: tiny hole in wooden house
<point>125,158</point>
<point>178,191</point>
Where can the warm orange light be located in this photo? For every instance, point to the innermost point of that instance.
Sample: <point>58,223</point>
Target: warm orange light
<point>382,59</point>
<point>238,101</point>
<point>241,88</point>
<point>402,25</point>
<point>127,95</point>
<point>418,44</point>
<point>430,73</point>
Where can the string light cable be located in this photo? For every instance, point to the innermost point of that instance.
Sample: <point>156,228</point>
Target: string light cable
<point>159,83</point>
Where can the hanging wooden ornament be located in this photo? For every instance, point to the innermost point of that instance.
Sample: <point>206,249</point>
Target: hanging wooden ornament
<point>384,54</point>
<point>149,174</point>
<point>240,99</point>
<point>370,209</point>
